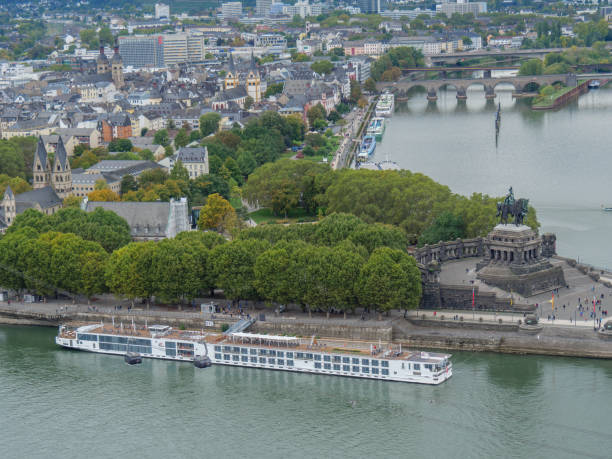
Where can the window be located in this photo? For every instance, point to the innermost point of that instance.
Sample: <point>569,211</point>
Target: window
<point>365,361</point>
<point>263,352</point>
<point>317,357</point>
<point>374,363</point>
<point>244,358</point>
<point>217,356</point>
<point>262,360</point>
<point>365,369</point>
<point>428,367</point>
<point>227,349</point>
<point>236,350</point>
<point>309,356</point>
<point>271,361</point>
<point>346,368</point>
<point>253,359</point>
<point>355,361</point>
<point>244,350</point>
<point>327,358</point>
<point>385,363</point>
<point>253,351</point>
<point>280,353</point>
<point>336,367</point>
<point>272,353</point>
<point>374,371</point>
<point>289,355</point>
<point>345,360</point>
<point>235,358</point>
<point>280,362</point>
<point>289,363</point>
<point>327,366</point>
<point>417,367</point>
<point>299,355</point>
<point>226,357</point>
<point>318,365</point>
<point>337,359</point>
<point>385,372</point>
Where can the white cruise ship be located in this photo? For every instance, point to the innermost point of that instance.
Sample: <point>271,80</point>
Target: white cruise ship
<point>385,105</point>
<point>286,353</point>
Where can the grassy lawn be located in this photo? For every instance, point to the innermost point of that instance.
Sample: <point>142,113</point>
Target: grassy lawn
<point>236,202</point>
<point>265,216</point>
<point>549,100</point>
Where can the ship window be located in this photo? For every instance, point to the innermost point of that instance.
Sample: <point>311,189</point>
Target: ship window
<point>365,369</point>
<point>327,366</point>
<point>355,361</point>
<point>299,355</point>
<point>374,363</point>
<point>337,359</point>
<point>385,372</point>
<point>170,352</point>
<point>172,345</point>
<point>346,368</point>
<point>280,362</point>
<point>236,350</point>
<point>271,361</point>
<point>309,356</point>
<point>244,358</point>
<point>385,363</point>
<point>280,353</point>
<point>218,356</point>
<point>87,337</point>
<point>244,350</point>
<point>226,357</point>
<point>253,351</point>
<point>272,353</point>
<point>417,367</point>
<point>289,355</point>
<point>289,363</point>
<point>318,365</point>
<point>227,348</point>
<point>345,360</point>
<point>355,369</point>
<point>336,367</point>
<point>263,352</point>
<point>365,361</point>
<point>253,359</point>
<point>374,371</point>
<point>235,358</point>
<point>317,357</point>
<point>262,360</point>
<point>327,358</point>
<point>428,367</point>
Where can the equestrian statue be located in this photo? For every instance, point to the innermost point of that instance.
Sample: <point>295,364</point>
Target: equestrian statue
<point>516,208</point>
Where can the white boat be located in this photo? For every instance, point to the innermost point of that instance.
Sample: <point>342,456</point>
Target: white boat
<point>376,128</point>
<point>286,353</point>
<point>367,148</point>
<point>606,209</point>
<point>594,84</point>
<point>385,105</point>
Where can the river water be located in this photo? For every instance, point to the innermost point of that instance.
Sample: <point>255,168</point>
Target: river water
<point>560,160</point>
<point>57,403</point>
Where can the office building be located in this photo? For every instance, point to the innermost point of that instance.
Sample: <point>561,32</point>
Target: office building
<point>231,10</point>
<point>462,8</point>
<point>262,8</point>
<point>369,6</point>
<point>141,51</point>
<point>162,11</point>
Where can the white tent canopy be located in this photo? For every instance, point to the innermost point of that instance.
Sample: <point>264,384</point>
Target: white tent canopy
<point>276,338</point>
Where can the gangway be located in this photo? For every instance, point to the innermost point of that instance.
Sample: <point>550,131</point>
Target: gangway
<point>240,326</point>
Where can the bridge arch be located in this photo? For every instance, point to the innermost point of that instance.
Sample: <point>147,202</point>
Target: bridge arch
<point>532,86</point>
<point>505,82</point>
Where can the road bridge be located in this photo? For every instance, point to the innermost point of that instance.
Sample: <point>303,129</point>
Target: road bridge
<point>519,83</point>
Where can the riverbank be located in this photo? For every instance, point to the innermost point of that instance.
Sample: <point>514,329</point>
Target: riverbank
<point>481,333</point>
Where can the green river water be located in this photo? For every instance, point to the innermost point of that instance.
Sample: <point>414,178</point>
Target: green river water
<point>57,403</point>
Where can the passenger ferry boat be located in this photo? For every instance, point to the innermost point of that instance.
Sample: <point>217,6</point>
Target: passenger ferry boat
<point>385,105</point>
<point>271,352</point>
<point>368,145</point>
<point>377,128</point>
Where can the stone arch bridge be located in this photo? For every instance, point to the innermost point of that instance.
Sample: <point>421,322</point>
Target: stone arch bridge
<point>519,83</point>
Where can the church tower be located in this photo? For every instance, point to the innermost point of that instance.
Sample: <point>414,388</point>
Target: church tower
<point>102,62</point>
<point>231,79</point>
<point>61,177</point>
<point>9,205</point>
<point>117,69</point>
<point>41,168</point>
<point>253,81</point>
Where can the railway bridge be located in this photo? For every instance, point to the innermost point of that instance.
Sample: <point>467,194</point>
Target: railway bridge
<point>519,83</point>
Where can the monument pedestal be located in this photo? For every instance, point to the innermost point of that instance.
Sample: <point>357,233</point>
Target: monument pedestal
<point>513,261</point>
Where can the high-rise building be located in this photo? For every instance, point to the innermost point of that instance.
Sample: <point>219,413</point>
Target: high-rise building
<point>461,8</point>
<point>262,8</point>
<point>369,6</point>
<point>162,11</point>
<point>231,10</point>
<point>142,50</point>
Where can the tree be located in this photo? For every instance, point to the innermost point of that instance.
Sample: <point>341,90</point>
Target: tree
<point>176,270</point>
<point>446,227</point>
<point>531,67</point>
<point>209,123</point>
<point>17,184</point>
<point>273,89</point>
<point>355,91</point>
<point>161,138</point>
<point>128,183</point>
<point>103,195</point>
<point>334,116</point>
<point>182,138</point>
<point>179,172</point>
<point>370,85</point>
<point>120,145</point>
<point>128,271</point>
<point>322,67</point>
<point>89,38</point>
<point>72,202</point>
<point>246,163</point>
<point>314,113</point>
<point>106,36</point>
<point>248,102</point>
<point>216,214</point>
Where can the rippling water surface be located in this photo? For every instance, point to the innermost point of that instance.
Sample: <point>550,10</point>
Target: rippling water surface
<point>561,160</point>
<point>56,403</point>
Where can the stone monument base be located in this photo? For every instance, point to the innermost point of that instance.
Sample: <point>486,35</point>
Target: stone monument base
<point>513,262</point>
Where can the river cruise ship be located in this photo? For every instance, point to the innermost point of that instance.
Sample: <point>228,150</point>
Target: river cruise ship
<point>377,128</point>
<point>385,105</point>
<point>288,353</point>
<point>367,148</point>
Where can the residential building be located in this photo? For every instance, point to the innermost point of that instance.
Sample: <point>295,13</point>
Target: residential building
<point>148,221</point>
<point>51,142</point>
<point>116,126</point>
<point>462,8</point>
<point>262,8</point>
<point>83,136</point>
<point>303,9</point>
<point>142,51</point>
<point>231,10</point>
<point>361,68</point>
<point>369,6</point>
<point>162,11</point>
<point>195,160</point>
<point>270,40</point>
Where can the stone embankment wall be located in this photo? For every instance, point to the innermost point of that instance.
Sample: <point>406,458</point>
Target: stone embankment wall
<point>325,329</point>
